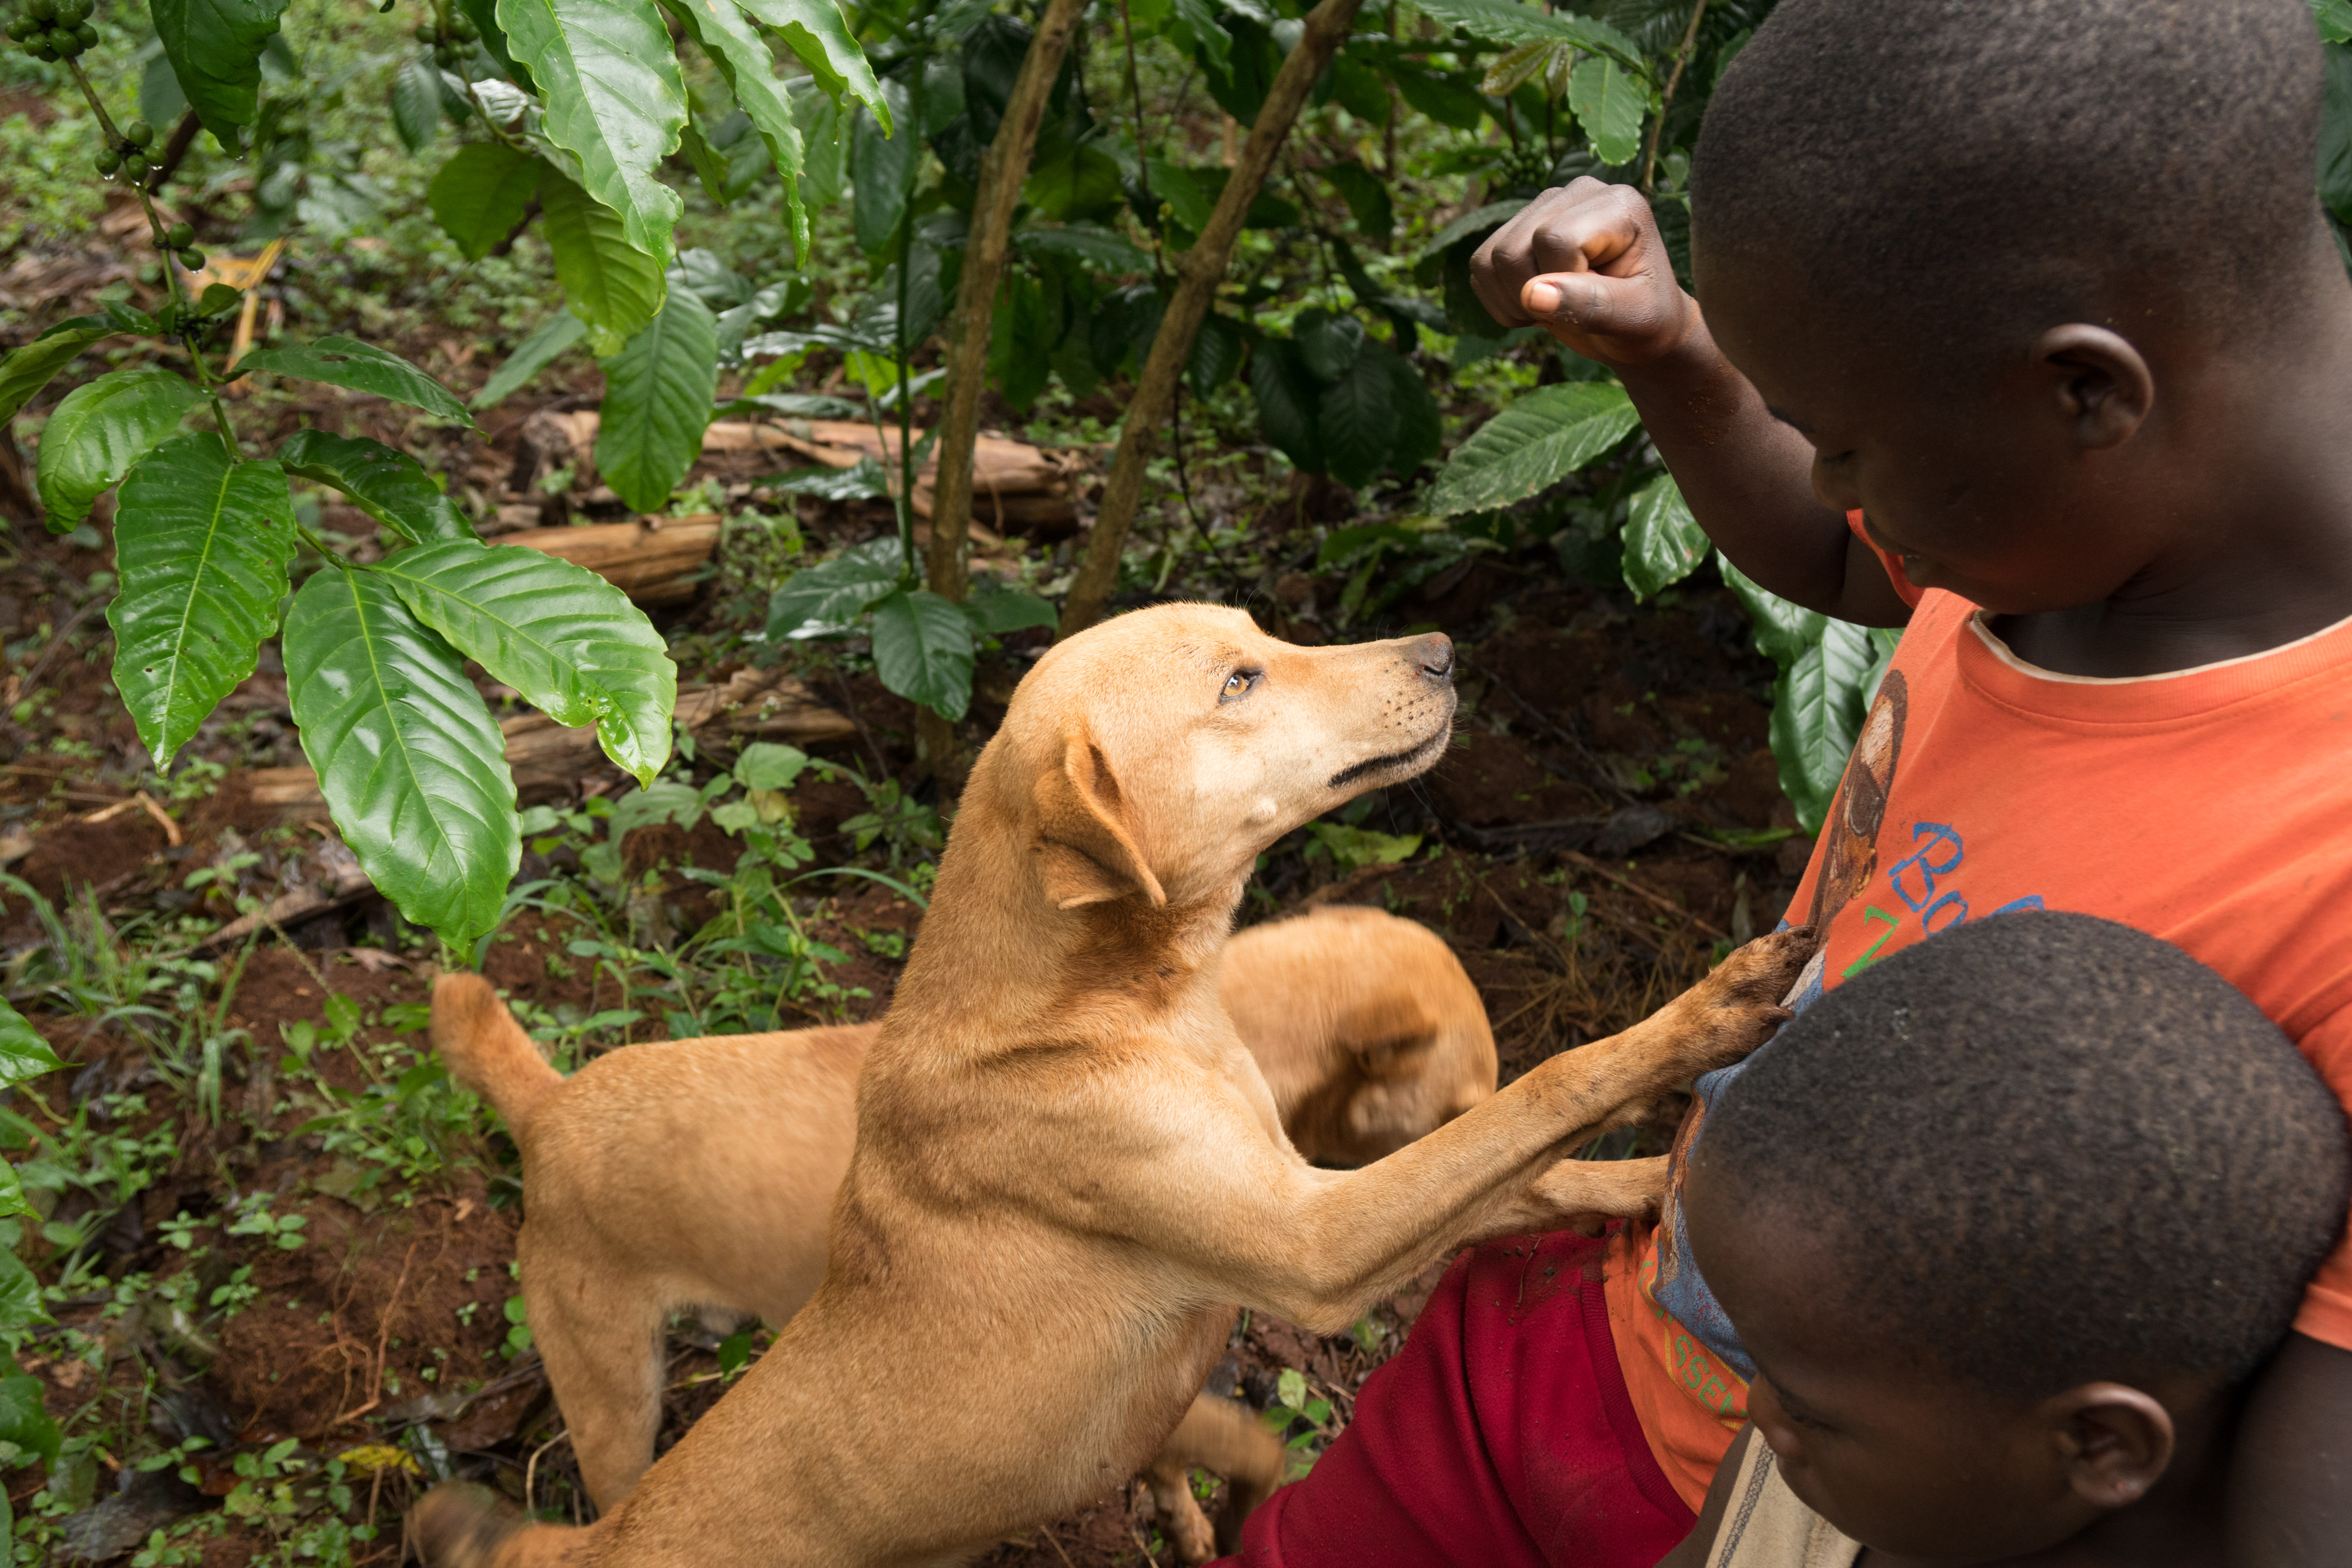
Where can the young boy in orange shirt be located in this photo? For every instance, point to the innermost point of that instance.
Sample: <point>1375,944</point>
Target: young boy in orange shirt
<point>2023,329</point>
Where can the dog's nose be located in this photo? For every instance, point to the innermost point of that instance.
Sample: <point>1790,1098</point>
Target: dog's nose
<point>1434,656</point>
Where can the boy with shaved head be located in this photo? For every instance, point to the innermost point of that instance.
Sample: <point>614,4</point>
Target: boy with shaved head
<point>2023,329</point>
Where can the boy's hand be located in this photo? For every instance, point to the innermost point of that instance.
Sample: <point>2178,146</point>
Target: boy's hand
<point>1584,262</point>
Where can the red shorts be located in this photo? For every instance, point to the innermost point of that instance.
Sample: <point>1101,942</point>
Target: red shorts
<point>1500,1436</point>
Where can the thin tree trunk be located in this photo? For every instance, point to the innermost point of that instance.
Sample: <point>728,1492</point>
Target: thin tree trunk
<point>1199,271</point>
<point>1003,169</point>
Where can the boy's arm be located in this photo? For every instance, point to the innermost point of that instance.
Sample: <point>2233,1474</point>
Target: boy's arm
<point>2290,1498</point>
<point>1693,1552</point>
<point>1610,294</point>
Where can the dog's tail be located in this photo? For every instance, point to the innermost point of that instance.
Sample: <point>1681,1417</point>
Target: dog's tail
<point>487,1052</point>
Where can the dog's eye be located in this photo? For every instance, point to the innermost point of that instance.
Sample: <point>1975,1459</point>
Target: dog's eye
<point>1238,684</point>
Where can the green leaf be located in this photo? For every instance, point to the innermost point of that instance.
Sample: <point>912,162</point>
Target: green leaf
<point>214,47</point>
<point>878,166</point>
<point>1533,445</point>
<point>1420,429</point>
<point>20,1295</point>
<point>1286,402</point>
<point>342,361</point>
<point>1783,630</point>
<point>1609,102</point>
<point>995,608</point>
<point>1328,344</point>
<point>416,103</point>
<point>1020,340</point>
<point>570,641</point>
<point>2336,131</point>
<point>23,1054</point>
<point>830,596</point>
<point>814,30</point>
<point>24,1420</point>
<point>615,101</point>
<point>1504,22</point>
<point>1663,542</point>
<point>825,143</point>
<point>1097,248</point>
<point>735,47</point>
<point>482,193</point>
<point>864,480</point>
<point>202,542</point>
<point>658,392</point>
<point>1446,98</point>
<point>1216,353</point>
<point>923,651</point>
<point>1358,420</point>
<point>100,430</point>
<point>160,101</point>
<point>390,486</point>
<point>413,771</point>
<point>1817,713</point>
<point>1188,200</point>
<point>764,765</point>
<point>547,343</point>
<point>612,286</point>
<point>27,370</point>
<point>2335,19</point>
<point>1367,198</point>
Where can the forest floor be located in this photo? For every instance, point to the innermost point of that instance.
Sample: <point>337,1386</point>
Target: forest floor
<point>278,1244</point>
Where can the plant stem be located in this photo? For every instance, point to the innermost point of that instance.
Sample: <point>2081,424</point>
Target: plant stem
<point>1666,96</point>
<point>909,574</point>
<point>1199,271</point>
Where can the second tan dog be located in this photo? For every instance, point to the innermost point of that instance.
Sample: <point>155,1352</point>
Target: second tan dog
<point>700,1173</point>
<point>1069,1169</point>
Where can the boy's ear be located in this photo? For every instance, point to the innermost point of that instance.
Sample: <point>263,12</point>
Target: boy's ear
<point>2104,387</point>
<point>1087,842</point>
<point>2114,1441</point>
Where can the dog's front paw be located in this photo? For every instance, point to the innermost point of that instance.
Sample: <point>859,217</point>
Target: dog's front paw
<point>1736,1007</point>
<point>461,1525</point>
<point>1583,1195</point>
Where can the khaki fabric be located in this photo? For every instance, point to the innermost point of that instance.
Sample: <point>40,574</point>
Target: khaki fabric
<point>1766,1526</point>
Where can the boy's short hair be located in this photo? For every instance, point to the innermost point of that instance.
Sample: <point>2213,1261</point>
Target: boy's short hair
<point>1968,169</point>
<point>2047,1149</point>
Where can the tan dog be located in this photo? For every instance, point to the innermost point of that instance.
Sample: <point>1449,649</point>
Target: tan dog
<point>702,1172</point>
<point>1068,1167</point>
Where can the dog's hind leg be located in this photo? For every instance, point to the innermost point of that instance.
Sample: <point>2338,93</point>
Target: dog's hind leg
<point>1224,1440</point>
<point>599,1334</point>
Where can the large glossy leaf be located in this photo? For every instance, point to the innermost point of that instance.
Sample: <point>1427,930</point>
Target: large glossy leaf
<point>734,44</point>
<point>1216,353</point>
<point>816,31</point>
<point>362,367</point>
<point>202,543</point>
<point>413,771</point>
<point>658,392</point>
<point>27,370</point>
<point>1817,712</point>
<point>100,430</point>
<point>389,486</point>
<point>1287,398</point>
<point>481,193</point>
<point>1357,419</point>
<point>1663,542</point>
<point>615,101</point>
<point>825,143</point>
<point>830,596</point>
<point>1608,101</point>
<point>23,1414</point>
<point>214,47</point>
<point>571,642</point>
<point>1533,445</point>
<point>1506,22</point>
<point>23,1054</point>
<point>923,651</point>
<point>1420,430</point>
<point>612,286</point>
<point>1783,630</point>
<point>878,165</point>
<point>546,343</point>
<point>416,103</point>
<point>20,1294</point>
<point>996,608</point>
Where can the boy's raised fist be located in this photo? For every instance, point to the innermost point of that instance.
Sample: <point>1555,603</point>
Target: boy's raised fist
<point>1584,262</point>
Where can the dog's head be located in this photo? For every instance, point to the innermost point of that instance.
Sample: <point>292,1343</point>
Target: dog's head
<point>1366,1024</point>
<point>1155,755</point>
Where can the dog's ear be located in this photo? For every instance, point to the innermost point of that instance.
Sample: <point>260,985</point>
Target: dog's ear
<point>1085,839</point>
<point>1386,1033</point>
